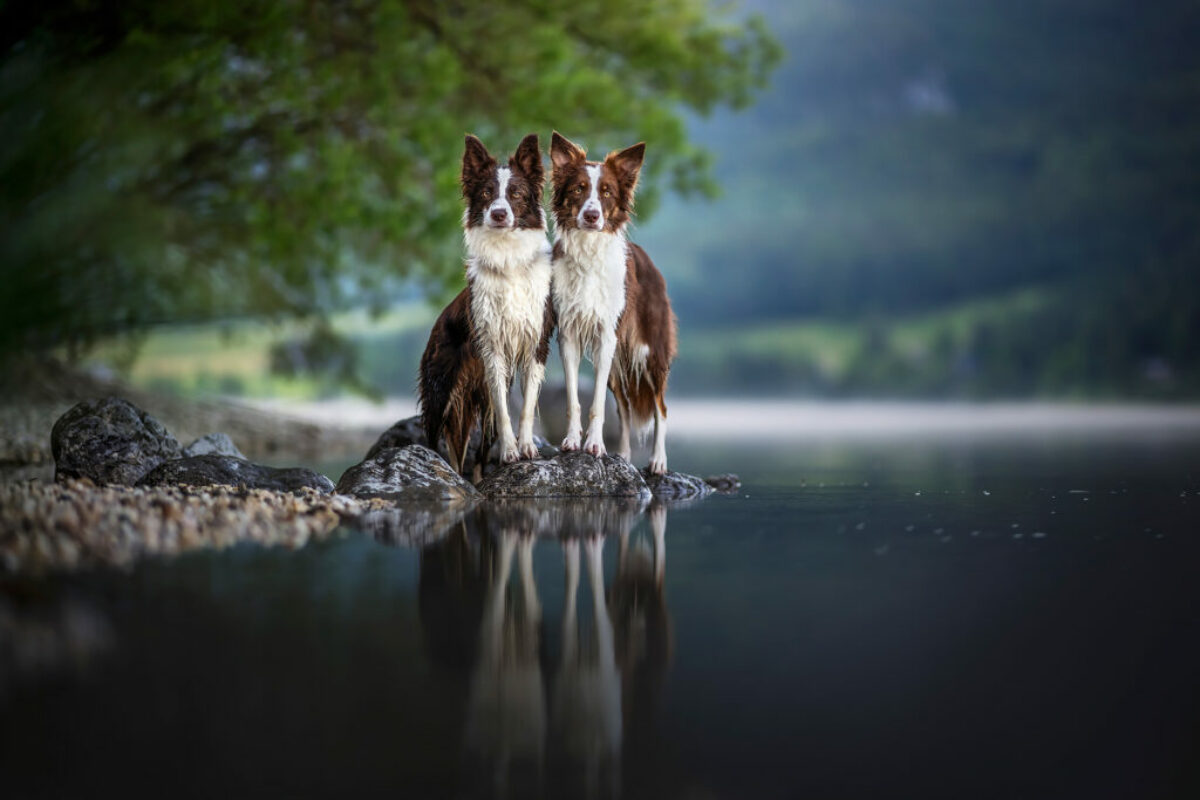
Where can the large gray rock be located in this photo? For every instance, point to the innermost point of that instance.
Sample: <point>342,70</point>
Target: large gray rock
<point>575,474</point>
<point>110,441</point>
<point>413,473</point>
<point>402,434</point>
<point>211,470</point>
<point>213,444</point>
<point>676,485</point>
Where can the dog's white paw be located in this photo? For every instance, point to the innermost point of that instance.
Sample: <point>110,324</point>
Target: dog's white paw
<point>658,466</point>
<point>527,449</point>
<point>511,455</point>
<point>571,442</point>
<point>594,446</point>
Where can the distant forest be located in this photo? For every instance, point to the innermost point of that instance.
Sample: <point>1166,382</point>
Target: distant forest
<point>994,198</point>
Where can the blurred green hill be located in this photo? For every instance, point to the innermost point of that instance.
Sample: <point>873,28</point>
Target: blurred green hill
<point>939,198</point>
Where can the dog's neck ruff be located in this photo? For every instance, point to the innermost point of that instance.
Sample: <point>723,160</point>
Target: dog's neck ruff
<point>594,251</point>
<point>503,250</point>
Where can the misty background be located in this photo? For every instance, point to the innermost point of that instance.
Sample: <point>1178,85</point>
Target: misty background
<point>912,199</point>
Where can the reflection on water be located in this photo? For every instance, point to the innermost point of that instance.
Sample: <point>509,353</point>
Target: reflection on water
<point>539,717</point>
<point>958,617</point>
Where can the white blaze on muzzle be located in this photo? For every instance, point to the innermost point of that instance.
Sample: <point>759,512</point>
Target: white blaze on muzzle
<point>593,201</point>
<point>503,174</point>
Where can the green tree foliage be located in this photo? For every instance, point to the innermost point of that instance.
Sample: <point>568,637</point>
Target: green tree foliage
<point>199,159</point>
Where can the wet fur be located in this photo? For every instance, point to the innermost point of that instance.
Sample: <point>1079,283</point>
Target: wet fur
<point>603,283</point>
<point>502,321</point>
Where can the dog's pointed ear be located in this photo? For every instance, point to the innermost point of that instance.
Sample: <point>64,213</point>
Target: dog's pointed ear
<point>627,163</point>
<point>476,159</point>
<point>564,152</point>
<point>528,159</point>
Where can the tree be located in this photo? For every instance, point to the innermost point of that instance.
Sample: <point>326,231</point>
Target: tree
<point>193,160</point>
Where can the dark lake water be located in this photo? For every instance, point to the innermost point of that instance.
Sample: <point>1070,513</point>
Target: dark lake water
<point>963,617</point>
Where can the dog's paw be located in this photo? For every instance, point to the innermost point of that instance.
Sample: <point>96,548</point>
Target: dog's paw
<point>571,442</point>
<point>658,466</point>
<point>527,450</point>
<point>511,455</point>
<point>594,447</point>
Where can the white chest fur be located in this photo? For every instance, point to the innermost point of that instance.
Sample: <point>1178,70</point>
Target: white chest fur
<point>589,284</point>
<point>509,272</point>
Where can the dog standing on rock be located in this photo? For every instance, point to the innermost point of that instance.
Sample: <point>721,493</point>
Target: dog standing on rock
<point>502,321</point>
<point>609,298</point>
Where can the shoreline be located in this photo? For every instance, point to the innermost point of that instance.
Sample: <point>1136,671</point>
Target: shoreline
<point>720,419</point>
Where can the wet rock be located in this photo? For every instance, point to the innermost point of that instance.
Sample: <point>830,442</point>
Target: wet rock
<point>726,483</point>
<point>412,473</point>
<point>210,444</point>
<point>216,470</point>
<point>402,434</point>
<point>676,485</point>
<point>574,474</point>
<point>109,441</point>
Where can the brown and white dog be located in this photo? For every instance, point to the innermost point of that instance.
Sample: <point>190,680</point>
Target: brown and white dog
<point>502,321</point>
<point>610,299</point>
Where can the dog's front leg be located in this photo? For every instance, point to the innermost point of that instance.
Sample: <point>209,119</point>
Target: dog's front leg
<point>497,378</point>
<point>533,373</point>
<point>569,347</point>
<point>603,360</point>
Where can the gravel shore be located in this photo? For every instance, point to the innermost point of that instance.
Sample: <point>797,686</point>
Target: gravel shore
<point>47,526</point>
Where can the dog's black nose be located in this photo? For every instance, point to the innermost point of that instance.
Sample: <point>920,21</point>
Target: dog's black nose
<point>591,216</point>
<point>499,214</point>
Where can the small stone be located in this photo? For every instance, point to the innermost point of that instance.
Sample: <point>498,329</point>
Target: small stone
<point>218,444</point>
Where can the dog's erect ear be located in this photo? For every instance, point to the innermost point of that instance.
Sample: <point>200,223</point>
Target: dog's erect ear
<point>564,152</point>
<point>476,159</point>
<point>627,163</point>
<point>528,158</point>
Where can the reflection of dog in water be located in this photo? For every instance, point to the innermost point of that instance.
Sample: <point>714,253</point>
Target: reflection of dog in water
<point>506,716</point>
<point>536,725</point>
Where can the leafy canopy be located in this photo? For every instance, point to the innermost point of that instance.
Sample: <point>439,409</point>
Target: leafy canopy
<point>192,160</point>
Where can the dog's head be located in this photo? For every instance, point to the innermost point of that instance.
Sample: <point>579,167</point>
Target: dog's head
<point>503,198</point>
<point>593,195</point>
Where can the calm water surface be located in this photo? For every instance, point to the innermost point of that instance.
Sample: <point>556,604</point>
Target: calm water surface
<point>967,617</point>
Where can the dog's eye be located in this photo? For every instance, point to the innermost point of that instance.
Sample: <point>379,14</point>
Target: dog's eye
<point>487,194</point>
<point>606,192</point>
<point>517,195</point>
<point>579,189</point>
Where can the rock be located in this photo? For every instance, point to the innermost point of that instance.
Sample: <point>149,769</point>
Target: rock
<point>412,473</point>
<point>675,485</point>
<point>109,441</point>
<point>575,474</point>
<point>218,444</point>
<point>210,470</point>
<point>411,431</point>
<point>402,434</point>
<point>726,483</point>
